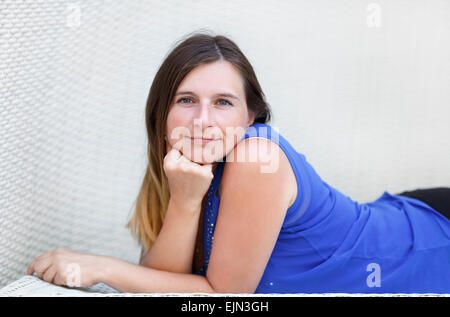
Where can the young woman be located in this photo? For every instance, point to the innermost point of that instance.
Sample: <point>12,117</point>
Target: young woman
<point>228,205</point>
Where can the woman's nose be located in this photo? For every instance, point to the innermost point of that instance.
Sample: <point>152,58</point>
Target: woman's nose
<point>204,117</point>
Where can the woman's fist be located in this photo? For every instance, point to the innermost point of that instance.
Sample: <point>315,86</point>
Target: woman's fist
<point>188,181</point>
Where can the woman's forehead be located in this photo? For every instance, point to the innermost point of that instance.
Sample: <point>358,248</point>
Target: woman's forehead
<point>212,79</point>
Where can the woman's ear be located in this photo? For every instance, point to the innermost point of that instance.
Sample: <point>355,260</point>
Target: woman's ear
<point>251,118</point>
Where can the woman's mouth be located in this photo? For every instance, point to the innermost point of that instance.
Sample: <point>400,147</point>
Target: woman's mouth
<point>202,140</point>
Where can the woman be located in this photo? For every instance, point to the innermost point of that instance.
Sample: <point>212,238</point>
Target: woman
<point>218,171</point>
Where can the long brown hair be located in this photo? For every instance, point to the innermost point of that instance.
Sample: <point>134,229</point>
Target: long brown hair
<point>194,50</point>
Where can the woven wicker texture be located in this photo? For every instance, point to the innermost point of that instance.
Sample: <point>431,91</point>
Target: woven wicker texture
<point>368,106</point>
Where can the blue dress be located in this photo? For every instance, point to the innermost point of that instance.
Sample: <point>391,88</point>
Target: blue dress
<point>330,243</point>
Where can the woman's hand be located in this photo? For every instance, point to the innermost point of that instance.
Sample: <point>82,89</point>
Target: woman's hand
<point>188,181</point>
<point>65,267</point>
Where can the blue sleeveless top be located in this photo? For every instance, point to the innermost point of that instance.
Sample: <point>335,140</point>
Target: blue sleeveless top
<point>330,243</point>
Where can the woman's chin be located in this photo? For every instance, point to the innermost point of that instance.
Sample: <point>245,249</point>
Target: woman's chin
<point>204,160</point>
<point>203,156</point>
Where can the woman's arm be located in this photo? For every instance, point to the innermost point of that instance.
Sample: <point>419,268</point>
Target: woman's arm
<point>252,209</point>
<point>131,278</point>
<point>72,268</point>
<point>253,206</point>
<point>173,249</point>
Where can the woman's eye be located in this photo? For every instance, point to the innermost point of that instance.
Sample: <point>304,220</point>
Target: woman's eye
<point>229,103</point>
<point>179,100</point>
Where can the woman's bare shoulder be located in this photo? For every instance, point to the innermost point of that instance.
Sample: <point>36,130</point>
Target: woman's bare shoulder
<point>252,158</point>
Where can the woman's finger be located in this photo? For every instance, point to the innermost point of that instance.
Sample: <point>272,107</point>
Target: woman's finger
<point>30,268</point>
<point>58,279</point>
<point>41,266</point>
<point>173,155</point>
<point>184,159</point>
<point>50,273</point>
<point>206,167</point>
<point>36,260</point>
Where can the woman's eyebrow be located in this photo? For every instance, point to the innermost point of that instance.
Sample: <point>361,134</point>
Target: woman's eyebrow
<point>224,94</point>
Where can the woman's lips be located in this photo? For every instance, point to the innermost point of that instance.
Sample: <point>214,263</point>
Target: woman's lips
<point>204,140</point>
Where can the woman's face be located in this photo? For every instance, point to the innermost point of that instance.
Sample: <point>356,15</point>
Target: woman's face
<point>208,115</point>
